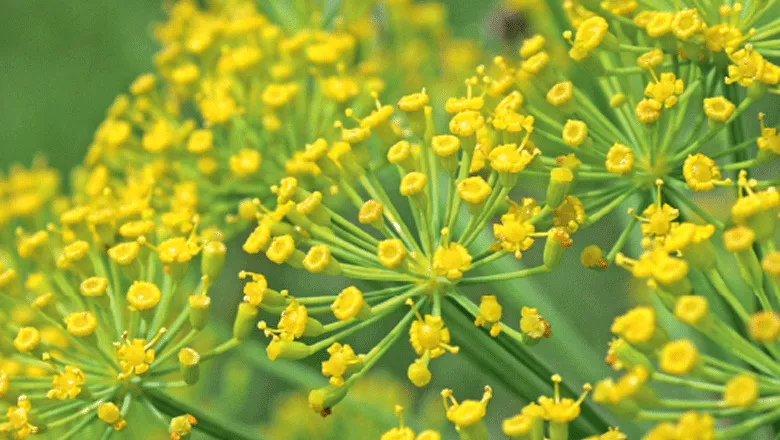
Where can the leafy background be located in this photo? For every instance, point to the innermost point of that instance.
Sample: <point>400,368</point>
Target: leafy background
<point>62,64</point>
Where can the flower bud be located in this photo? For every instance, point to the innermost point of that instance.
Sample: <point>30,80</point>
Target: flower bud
<point>213,259</point>
<point>287,350</point>
<point>245,319</point>
<point>189,365</point>
<point>557,241</point>
<point>199,311</point>
<point>323,399</point>
<point>558,188</point>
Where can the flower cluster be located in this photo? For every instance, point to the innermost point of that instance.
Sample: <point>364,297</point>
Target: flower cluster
<point>235,92</point>
<point>103,295</point>
<point>420,260</point>
<point>693,282</point>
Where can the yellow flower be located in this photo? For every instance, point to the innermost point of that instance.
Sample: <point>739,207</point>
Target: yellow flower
<point>18,420</point>
<point>281,248</point>
<point>67,384</point>
<point>560,93</point>
<point>370,212</point>
<point>342,359</point>
<point>159,137</point>
<point>490,314</point>
<point>245,163</point>
<point>533,325</point>
<point>764,326</point>
<point>691,309</point>
<point>562,410</point>
<point>531,46</point>
<point>648,110</point>
<point>418,373</point>
<point>769,139</point>
<point>414,102</point>
<point>451,261</point>
<point>413,183</point>
<point>391,252</point>
<point>181,426</point>
<point>318,258</point>
<point>429,336</point>
<point>701,173</point>
<point>718,109</point>
<point>741,391</point>
<point>650,59</point>
<point>143,295</point>
<point>143,84</point>
<point>660,24</point>
<point>400,432</point>
<point>590,33</point>
<point>474,190</point>
<point>687,23</point>
<point>636,326</point>
<point>592,256</point>
<point>665,90</point>
<point>509,158</point>
<point>350,304</point>
<point>109,413</point>
<point>134,357</point>
<point>620,159</point>
<point>445,145</point>
<point>81,323</point>
<point>695,425</point>
<point>678,357</point>
<point>468,412</point>
<point>574,133</point>
<point>125,253</point>
<point>27,339</point>
<point>466,123</point>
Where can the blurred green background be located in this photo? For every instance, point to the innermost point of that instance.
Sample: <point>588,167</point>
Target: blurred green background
<point>64,62</point>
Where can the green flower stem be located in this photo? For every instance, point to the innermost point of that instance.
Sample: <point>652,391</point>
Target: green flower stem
<point>593,154</point>
<point>347,225</point>
<point>488,212</point>
<point>625,235</point>
<point>488,259</point>
<point>378,312</point>
<point>174,329</point>
<point>475,222</point>
<point>220,349</point>
<point>179,345</point>
<point>751,425</point>
<point>86,410</point>
<point>71,406</point>
<point>207,423</point>
<point>686,382</point>
<point>741,146</point>
<point>366,273</point>
<point>78,428</point>
<point>170,286</point>
<point>714,130</point>
<point>374,189</point>
<point>720,285</point>
<point>506,275</point>
<point>614,203</point>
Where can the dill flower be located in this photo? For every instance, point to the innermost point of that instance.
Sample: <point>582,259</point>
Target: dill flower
<point>97,320</point>
<point>750,329</point>
<point>416,262</point>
